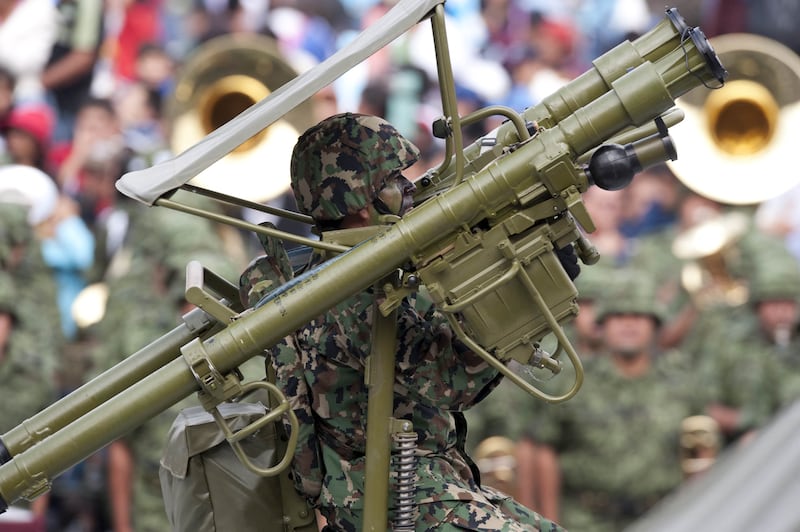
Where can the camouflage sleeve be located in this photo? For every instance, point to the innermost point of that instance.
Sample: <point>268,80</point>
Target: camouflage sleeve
<point>436,368</point>
<point>307,463</point>
<point>762,390</point>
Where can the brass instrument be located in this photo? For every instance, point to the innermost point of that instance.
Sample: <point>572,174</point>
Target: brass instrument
<point>225,76</point>
<point>700,443</point>
<point>705,248</point>
<point>222,78</point>
<point>735,140</point>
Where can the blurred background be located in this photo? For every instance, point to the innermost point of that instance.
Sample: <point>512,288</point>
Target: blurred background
<point>91,89</point>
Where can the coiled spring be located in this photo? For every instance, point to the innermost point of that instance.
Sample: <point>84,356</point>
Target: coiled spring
<point>404,461</point>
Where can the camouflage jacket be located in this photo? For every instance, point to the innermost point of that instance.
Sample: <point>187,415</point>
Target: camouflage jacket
<point>618,438</point>
<point>27,383</point>
<point>321,368</point>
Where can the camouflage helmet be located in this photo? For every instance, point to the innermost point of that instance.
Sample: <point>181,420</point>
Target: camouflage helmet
<point>775,279</point>
<point>592,283</point>
<point>14,228</point>
<point>339,165</point>
<point>630,292</point>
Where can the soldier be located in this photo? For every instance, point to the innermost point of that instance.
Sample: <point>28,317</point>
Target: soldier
<point>487,421</point>
<point>610,453</point>
<point>586,336</point>
<point>751,374</point>
<point>26,374</point>
<point>347,173</point>
<point>149,267</point>
<point>21,256</point>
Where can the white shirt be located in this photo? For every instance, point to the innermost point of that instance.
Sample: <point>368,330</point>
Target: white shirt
<point>26,39</point>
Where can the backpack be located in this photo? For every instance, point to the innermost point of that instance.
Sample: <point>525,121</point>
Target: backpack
<point>206,488</point>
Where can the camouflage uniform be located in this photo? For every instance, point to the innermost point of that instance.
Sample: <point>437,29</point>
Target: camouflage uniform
<point>25,383</point>
<point>618,439</point>
<point>744,374</point>
<point>321,367</point>
<point>21,258</point>
<point>750,371</point>
<point>145,302</point>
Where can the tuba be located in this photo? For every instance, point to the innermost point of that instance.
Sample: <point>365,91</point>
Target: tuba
<point>736,138</point>
<point>219,80</point>
<point>706,250</point>
<point>222,78</point>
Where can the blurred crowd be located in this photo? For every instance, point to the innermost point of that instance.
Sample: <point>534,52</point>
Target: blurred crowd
<point>89,276</point>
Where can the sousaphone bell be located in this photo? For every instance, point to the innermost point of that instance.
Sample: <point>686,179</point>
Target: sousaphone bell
<point>222,78</point>
<point>736,142</point>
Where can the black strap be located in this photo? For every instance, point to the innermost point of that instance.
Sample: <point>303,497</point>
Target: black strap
<point>461,440</point>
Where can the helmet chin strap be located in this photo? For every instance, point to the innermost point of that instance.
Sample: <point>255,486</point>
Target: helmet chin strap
<point>385,214</point>
<point>382,208</point>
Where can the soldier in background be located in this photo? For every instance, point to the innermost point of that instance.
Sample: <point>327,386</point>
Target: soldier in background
<point>26,374</point>
<point>19,367</point>
<point>748,369</point>
<point>21,258</point>
<point>489,421</point>
<point>611,452</point>
<point>30,330</point>
<point>146,280</point>
<point>586,336</point>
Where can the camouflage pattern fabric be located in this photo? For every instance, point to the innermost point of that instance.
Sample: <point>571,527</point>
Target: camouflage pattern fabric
<point>490,417</point>
<point>8,295</point>
<point>743,368</point>
<point>744,374</point>
<point>777,279</point>
<point>145,301</point>
<point>789,368</point>
<point>14,229</point>
<point>617,440</point>
<point>39,320</point>
<point>265,273</point>
<point>629,292</point>
<point>26,384</point>
<point>338,165</point>
<point>321,368</point>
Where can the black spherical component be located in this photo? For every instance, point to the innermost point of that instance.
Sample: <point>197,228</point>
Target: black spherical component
<point>612,167</point>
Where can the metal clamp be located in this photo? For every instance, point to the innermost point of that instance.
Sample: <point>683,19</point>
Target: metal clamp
<point>235,437</point>
<point>217,389</point>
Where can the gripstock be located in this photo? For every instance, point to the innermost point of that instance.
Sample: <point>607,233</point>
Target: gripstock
<point>527,194</point>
